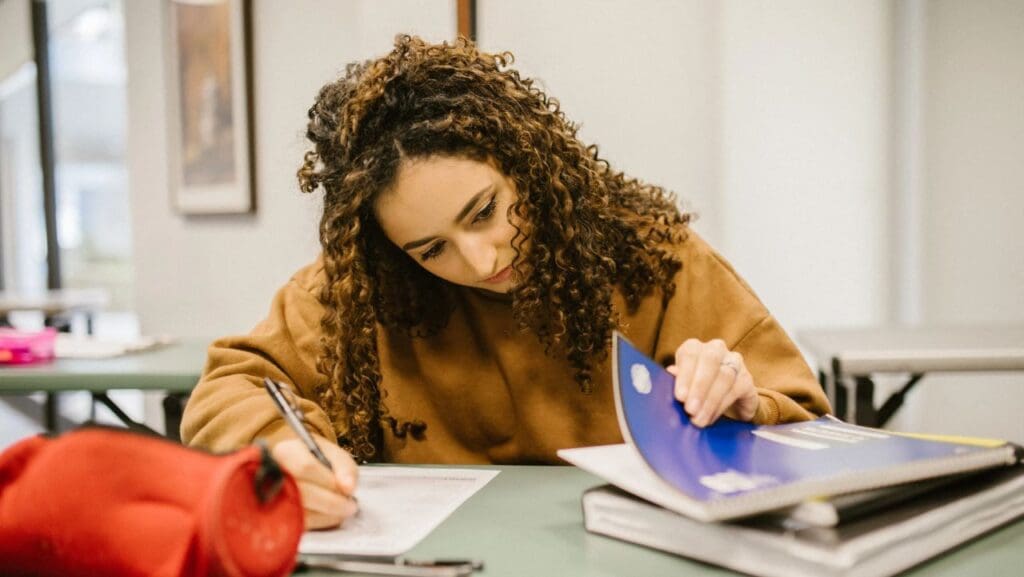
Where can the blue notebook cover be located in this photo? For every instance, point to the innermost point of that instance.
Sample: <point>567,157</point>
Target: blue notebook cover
<point>769,466</point>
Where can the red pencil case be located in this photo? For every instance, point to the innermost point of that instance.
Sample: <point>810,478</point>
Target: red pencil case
<point>103,501</point>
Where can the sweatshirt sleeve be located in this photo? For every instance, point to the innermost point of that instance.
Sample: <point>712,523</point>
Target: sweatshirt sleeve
<point>229,407</point>
<point>712,302</point>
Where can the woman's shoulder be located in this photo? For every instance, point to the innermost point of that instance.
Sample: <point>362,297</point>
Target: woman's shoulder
<point>702,261</point>
<point>297,302</point>
<point>693,249</point>
<point>310,278</point>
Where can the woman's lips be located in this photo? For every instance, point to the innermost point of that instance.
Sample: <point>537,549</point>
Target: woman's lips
<point>502,276</point>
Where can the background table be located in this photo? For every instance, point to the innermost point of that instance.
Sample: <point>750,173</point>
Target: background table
<point>528,521</point>
<point>53,304</point>
<point>173,368</point>
<point>847,359</point>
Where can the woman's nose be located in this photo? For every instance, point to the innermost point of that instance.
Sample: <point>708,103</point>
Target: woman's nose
<point>480,257</point>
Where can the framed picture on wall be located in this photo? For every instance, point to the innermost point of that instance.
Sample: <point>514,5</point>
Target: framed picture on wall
<point>210,106</point>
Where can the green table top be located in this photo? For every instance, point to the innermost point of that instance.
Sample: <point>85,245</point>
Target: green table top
<point>175,367</point>
<point>528,521</point>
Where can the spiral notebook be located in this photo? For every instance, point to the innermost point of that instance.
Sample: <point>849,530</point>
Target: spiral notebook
<point>735,469</point>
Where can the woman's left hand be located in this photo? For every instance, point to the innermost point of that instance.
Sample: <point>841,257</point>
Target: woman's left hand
<point>712,381</point>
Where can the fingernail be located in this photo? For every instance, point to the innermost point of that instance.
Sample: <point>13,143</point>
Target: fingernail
<point>704,418</point>
<point>693,407</point>
<point>353,506</point>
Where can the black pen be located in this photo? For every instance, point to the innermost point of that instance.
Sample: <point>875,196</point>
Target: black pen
<point>294,421</point>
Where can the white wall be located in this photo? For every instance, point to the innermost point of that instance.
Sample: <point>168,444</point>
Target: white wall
<point>15,35</point>
<point>974,245</point>
<point>210,276</point>
<point>804,156</point>
<point>973,199</point>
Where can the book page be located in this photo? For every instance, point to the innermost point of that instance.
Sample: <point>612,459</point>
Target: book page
<point>623,467</point>
<point>398,507</point>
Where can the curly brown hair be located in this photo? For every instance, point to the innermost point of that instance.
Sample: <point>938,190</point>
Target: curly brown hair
<point>584,230</point>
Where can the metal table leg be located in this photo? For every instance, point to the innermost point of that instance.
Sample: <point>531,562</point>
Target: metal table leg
<point>174,406</point>
<point>865,411</point>
<point>106,401</point>
<point>51,408</point>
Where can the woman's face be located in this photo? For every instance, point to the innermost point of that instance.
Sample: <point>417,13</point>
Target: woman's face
<point>451,216</point>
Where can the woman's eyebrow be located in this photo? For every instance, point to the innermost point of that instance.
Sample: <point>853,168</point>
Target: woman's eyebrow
<point>458,218</point>
<point>472,202</point>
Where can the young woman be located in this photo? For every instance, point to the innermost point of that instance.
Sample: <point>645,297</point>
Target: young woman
<point>476,257</point>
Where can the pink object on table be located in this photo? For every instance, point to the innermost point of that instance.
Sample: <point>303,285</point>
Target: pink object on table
<point>26,347</point>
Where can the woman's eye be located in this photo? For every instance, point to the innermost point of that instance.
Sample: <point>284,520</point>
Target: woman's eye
<point>486,212</point>
<point>432,252</point>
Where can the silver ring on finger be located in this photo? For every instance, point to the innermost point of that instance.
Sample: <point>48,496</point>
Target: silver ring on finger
<point>732,362</point>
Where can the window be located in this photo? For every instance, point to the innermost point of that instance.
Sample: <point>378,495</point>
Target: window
<point>22,224</point>
<point>87,73</point>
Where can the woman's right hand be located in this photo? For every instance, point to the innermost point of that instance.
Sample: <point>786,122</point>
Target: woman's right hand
<point>326,495</point>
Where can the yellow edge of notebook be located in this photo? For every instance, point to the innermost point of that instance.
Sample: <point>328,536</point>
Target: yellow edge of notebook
<point>975,441</point>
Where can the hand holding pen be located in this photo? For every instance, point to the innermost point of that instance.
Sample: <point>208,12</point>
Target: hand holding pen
<point>325,473</point>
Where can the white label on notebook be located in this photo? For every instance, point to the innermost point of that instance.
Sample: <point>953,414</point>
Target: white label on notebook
<point>791,441</point>
<point>641,378</point>
<point>731,481</point>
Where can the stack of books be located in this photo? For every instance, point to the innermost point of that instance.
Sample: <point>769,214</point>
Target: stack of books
<point>820,498</point>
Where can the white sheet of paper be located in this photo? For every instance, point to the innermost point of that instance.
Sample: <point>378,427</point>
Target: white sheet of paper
<point>89,347</point>
<point>623,467</point>
<point>398,507</point>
